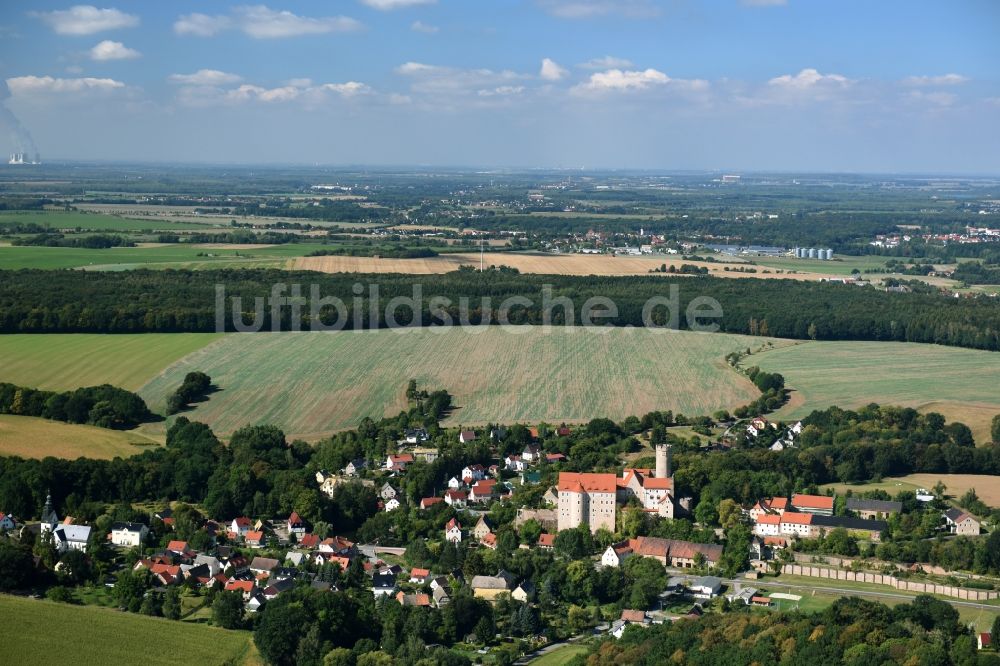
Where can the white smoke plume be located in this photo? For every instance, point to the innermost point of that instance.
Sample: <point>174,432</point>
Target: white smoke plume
<point>19,136</point>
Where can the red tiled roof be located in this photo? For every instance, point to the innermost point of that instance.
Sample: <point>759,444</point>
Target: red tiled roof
<point>797,518</point>
<point>309,540</point>
<point>579,482</point>
<point>430,501</point>
<point>812,501</point>
<point>453,523</point>
<point>294,518</point>
<point>546,540</point>
<point>419,573</point>
<point>242,585</point>
<point>255,536</point>
<point>178,546</point>
<point>769,519</point>
<point>242,521</point>
<point>489,539</point>
<point>633,615</point>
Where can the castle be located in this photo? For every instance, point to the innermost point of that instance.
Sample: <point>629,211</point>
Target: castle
<point>592,499</point>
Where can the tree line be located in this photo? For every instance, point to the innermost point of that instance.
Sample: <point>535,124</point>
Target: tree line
<point>34,301</point>
<point>104,406</point>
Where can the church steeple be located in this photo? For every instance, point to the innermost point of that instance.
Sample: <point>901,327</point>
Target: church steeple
<point>48,512</point>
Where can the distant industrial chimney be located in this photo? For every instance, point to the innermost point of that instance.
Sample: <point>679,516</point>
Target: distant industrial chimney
<point>662,461</point>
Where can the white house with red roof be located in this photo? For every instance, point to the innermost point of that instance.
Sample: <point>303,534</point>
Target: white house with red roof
<point>453,531</point>
<point>482,491</point>
<point>428,502</point>
<point>455,498</point>
<point>296,525</point>
<point>473,473</point>
<point>467,436</point>
<point>240,526</point>
<point>398,463</point>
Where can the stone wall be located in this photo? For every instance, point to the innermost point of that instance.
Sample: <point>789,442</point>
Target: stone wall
<point>891,581</point>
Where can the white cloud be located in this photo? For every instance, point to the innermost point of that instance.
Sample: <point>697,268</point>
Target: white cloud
<point>551,71</point>
<point>607,62</point>
<point>808,78</point>
<point>262,22</point>
<point>201,25</point>
<point>349,89</point>
<point>932,99</point>
<point>207,88</point>
<point>618,80</point>
<point>942,80</point>
<point>501,91</point>
<point>388,5</point>
<point>27,85</point>
<point>109,50</point>
<point>420,26</point>
<point>584,9</point>
<point>441,80</point>
<point>86,20</point>
<point>205,77</point>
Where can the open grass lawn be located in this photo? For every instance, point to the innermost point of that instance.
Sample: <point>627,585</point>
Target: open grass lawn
<point>987,487</point>
<point>313,383</point>
<point>69,361</point>
<point>959,383</point>
<point>58,220</point>
<point>86,635</point>
<point>31,437</point>
<point>561,656</point>
<point>157,256</point>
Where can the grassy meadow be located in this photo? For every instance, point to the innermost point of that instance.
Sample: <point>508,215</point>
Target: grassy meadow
<point>58,220</point>
<point>30,437</point>
<point>313,383</point>
<point>54,634</point>
<point>151,256</point>
<point>69,361</point>
<point>958,383</point>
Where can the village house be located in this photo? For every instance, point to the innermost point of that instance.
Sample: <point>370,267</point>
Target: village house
<point>6,522</point>
<point>240,526</point>
<point>669,552</point>
<point>515,463</point>
<point>415,436</point>
<point>546,541</point>
<point>419,576</point>
<point>383,584</point>
<point>337,545</point>
<point>420,599</point>
<point>441,596</point>
<point>263,565</point>
<point>454,483</point>
<point>455,498</point>
<point>355,467</point>
<point>128,535</point>
<point>255,539</point>
<point>706,587</point>
<point>473,473</point>
<point>428,502</point>
<point>490,587</point>
<point>773,505</point>
<point>308,541</point>
<point>392,504</point>
<point>757,426</point>
<point>482,528</point>
<point>482,491</point>
<point>962,522</point>
<point>489,540</point>
<point>426,454</point>
<point>398,463</point>
<point>387,492</point>
<point>296,525</point>
<point>984,640</point>
<point>467,436</point>
<point>525,592</point>
<point>245,587</point>
<point>453,531</point>
<point>821,505</point>
<point>878,509</point>
<point>654,490</point>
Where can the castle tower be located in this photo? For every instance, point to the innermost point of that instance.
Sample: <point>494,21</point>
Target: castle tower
<point>662,461</point>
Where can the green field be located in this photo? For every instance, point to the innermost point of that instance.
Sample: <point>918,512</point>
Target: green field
<point>50,633</point>
<point>159,256</point>
<point>961,384</point>
<point>30,437</point>
<point>57,220</point>
<point>560,656</point>
<point>62,362</point>
<point>314,383</point>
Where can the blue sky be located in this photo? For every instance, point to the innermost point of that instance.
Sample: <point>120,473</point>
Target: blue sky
<point>828,85</point>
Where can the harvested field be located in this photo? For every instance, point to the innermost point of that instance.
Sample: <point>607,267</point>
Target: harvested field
<point>959,383</point>
<point>556,264</point>
<point>313,383</point>
<point>987,487</point>
<point>31,437</point>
